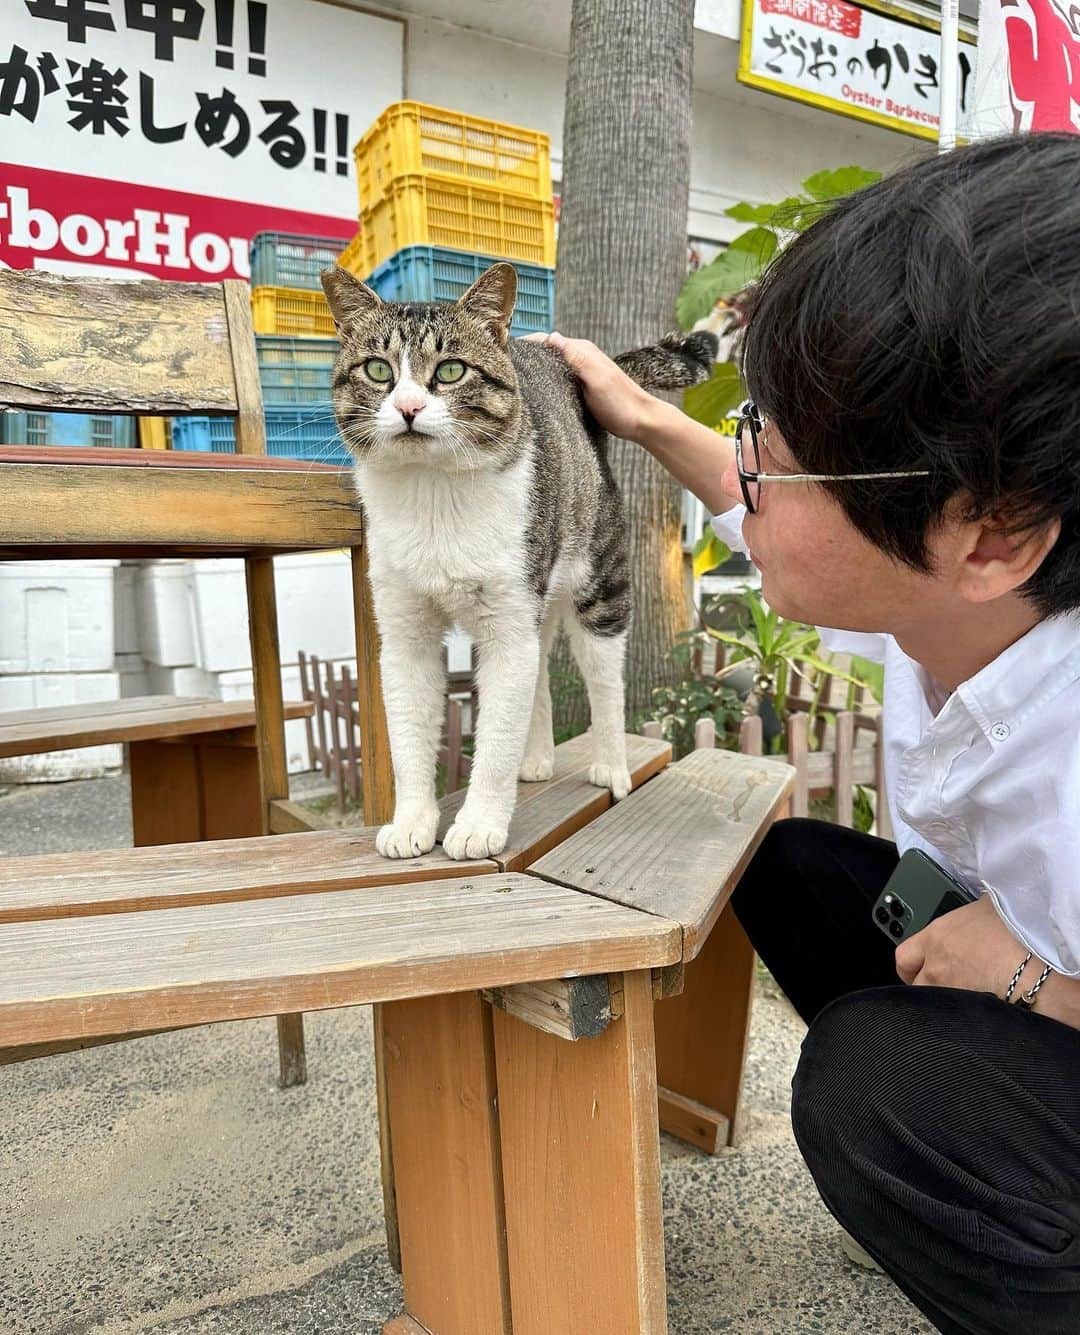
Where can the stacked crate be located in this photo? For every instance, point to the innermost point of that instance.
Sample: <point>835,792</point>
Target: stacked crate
<point>296,347</point>
<point>444,195</point>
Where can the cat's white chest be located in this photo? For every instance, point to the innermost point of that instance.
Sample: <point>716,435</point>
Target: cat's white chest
<point>447,535</point>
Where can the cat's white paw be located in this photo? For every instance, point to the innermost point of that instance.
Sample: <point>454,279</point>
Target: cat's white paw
<point>537,766</point>
<point>613,777</point>
<point>409,836</point>
<point>473,839</point>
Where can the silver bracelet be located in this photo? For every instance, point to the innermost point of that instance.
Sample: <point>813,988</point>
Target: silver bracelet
<point>1027,999</point>
<point>1016,976</point>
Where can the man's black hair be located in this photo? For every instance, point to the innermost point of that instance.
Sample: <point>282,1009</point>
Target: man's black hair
<point>932,320</point>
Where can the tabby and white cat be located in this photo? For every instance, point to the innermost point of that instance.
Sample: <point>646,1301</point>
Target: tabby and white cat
<point>490,505</point>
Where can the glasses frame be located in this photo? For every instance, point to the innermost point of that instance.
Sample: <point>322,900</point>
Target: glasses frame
<point>750,418</point>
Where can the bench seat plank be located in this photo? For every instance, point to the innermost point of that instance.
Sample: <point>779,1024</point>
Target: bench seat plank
<point>164,876</point>
<point>138,718</point>
<point>52,511</point>
<point>130,972</point>
<point>678,847</point>
<point>549,812</point>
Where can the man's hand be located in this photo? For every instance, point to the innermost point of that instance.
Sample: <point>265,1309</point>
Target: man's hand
<point>619,404</point>
<point>972,948</point>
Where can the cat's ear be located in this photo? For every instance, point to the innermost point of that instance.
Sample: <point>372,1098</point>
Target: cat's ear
<point>347,297</point>
<point>491,300</point>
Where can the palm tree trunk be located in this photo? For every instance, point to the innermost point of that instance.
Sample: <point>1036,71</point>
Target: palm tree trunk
<point>622,260</point>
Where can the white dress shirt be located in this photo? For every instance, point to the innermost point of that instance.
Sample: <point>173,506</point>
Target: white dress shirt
<point>987,780</point>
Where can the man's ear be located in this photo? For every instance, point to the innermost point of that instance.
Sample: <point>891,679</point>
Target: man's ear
<point>998,560</point>
<point>347,297</point>
<point>491,300</point>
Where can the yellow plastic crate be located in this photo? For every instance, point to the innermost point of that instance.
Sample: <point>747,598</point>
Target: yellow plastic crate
<point>291,310</point>
<point>352,257</point>
<point>410,138</point>
<point>430,211</point>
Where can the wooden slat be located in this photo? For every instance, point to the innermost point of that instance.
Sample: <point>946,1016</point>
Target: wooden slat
<point>26,732</point>
<point>569,1008</point>
<point>678,847</point>
<point>131,972</point>
<point>581,1164</point>
<point>691,1121</point>
<point>250,424</point>
<point>98,345</point>
<point>549,812</point>
<point>443,1110</point>
<point>97,456</point>
<point>292,818</point>
<point>67,885</point>
<point>377,771</point>
<point>70,510</point>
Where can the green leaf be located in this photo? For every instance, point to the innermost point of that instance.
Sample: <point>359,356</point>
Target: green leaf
<point>761,242</point>
<point>709,552</point>
<point>730,272</point>
<point>871,675</point>
<point>752,213</point>
<point>827,185</point>
<point>711,402</point>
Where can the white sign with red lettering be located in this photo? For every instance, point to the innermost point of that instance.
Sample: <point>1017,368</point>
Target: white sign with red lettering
<point>158,136</point>
<point>1029,66</point>
<point>852,59</point>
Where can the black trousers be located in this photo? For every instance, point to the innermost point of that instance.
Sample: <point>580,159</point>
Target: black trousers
<point>942,1127</point>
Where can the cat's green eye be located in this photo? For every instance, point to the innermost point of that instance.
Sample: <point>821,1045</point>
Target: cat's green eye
<point>447,372</point>
<point>379,370</point>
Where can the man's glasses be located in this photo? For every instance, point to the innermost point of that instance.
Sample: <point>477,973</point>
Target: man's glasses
<point>752,423</point>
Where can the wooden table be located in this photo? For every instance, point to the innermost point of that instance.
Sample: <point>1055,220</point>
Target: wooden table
<point>194,761</point>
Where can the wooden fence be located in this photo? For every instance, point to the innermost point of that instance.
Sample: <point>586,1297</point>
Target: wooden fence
<point>828,758</point>
<point>333,733</point>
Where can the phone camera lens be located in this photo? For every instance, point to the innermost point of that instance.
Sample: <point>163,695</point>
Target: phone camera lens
<point>896,908</point>
<point>897,928</point>
<point>881,913</point>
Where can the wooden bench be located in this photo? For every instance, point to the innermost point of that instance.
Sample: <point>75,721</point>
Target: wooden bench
<point>514,1001</point>
<point>194,762</point>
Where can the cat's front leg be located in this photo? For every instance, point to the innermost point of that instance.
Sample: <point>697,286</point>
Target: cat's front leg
<point>508,654</point>
<point>413,685</point>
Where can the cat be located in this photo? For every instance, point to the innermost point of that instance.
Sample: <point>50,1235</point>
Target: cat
<point>490,505</point>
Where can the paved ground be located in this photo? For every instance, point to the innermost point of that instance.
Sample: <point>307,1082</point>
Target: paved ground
<point>168,1185</point>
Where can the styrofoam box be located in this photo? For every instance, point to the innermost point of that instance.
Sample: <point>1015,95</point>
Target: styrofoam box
<point>314,606</point>
<point>163,599</point>
<point>125,624</point>
<point>458,651</point>
<point>179,681</point>
<point>42,690</point>
<point>56,616</point>
<point>240,686</point>
<point>132,671</point>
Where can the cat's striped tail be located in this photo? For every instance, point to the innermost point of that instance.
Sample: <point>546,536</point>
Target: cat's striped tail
<point>677,361</point>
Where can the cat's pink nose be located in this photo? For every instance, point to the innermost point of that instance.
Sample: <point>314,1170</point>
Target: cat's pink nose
<point>409,410</point>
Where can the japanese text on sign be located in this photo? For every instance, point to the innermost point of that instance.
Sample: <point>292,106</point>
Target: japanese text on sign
<point>851,59</point>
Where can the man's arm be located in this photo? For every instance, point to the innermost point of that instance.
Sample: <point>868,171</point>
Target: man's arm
<point>694,454</point>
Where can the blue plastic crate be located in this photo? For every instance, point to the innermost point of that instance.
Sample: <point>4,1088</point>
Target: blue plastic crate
<point>280,259</point>
<point>433,273</point>
<point>296,372</point>
<point>291,433</point>
<point>33,428</point>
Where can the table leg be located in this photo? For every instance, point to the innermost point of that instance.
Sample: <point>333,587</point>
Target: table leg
<point>701,1038</point>
<point>200,788</point>
<point>439,1068</point>
<point>166,793</point>
<point>581,1168</point>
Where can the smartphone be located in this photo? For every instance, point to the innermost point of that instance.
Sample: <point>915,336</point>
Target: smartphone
<point>916,893</point>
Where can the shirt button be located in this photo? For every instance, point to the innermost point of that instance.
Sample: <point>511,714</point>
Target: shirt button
<point>1000,731</point>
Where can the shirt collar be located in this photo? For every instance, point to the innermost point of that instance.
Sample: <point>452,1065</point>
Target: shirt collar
<point>1024,678</point>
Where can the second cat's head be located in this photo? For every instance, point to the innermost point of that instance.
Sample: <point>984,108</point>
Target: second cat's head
<point>423,384</point>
